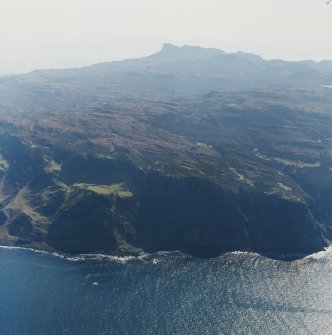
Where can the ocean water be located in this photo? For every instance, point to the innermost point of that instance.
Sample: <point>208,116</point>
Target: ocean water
<point>164,293</point>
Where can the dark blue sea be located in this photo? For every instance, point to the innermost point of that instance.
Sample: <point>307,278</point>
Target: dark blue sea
<point>164,293</point>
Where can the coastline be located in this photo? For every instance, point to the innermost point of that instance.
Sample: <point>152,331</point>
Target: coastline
<point>124,257</point>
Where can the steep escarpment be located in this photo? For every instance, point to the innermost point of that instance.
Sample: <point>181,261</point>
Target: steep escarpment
<point>196,215</point>
<point>94,204</point>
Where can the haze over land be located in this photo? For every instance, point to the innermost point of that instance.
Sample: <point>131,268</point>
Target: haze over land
<point>61,34</point>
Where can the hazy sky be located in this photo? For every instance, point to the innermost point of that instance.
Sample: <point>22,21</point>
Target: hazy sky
<point>69,33</point>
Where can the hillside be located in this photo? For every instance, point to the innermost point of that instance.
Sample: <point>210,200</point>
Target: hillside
<point>190,148</point>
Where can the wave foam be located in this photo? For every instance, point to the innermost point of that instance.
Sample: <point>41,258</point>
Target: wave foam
<point>326,253</point>
<point>86,257</point>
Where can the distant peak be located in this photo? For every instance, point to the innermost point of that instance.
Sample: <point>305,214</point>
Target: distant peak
<point>248,55</point>
<point>169,46</point>
<point>171,52</point>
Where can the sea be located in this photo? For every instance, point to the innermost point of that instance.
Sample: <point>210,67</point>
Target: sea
<point>163,293</point>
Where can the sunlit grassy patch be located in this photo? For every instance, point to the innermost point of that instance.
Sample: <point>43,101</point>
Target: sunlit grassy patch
<point>287,162</point>
<point>298,164</point>
<point>52,167</point>
<point>115,189</point>
<point>284,187</point>
<point>285,192</point>
<point>3,164</point>
<point>20,203</point>
<point>241,177</point>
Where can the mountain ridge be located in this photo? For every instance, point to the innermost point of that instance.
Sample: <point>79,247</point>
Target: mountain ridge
<point>176,71</point>
<point>169,47</point>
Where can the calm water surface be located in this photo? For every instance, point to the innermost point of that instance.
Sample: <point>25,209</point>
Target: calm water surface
<point>165,293</point>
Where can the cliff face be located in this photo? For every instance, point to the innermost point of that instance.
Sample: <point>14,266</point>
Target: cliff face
<point>204,218</point>
<point>95,204</point>
<point>85,169</point>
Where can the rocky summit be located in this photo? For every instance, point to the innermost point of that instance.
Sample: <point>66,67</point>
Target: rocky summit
<point>188,149</point>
